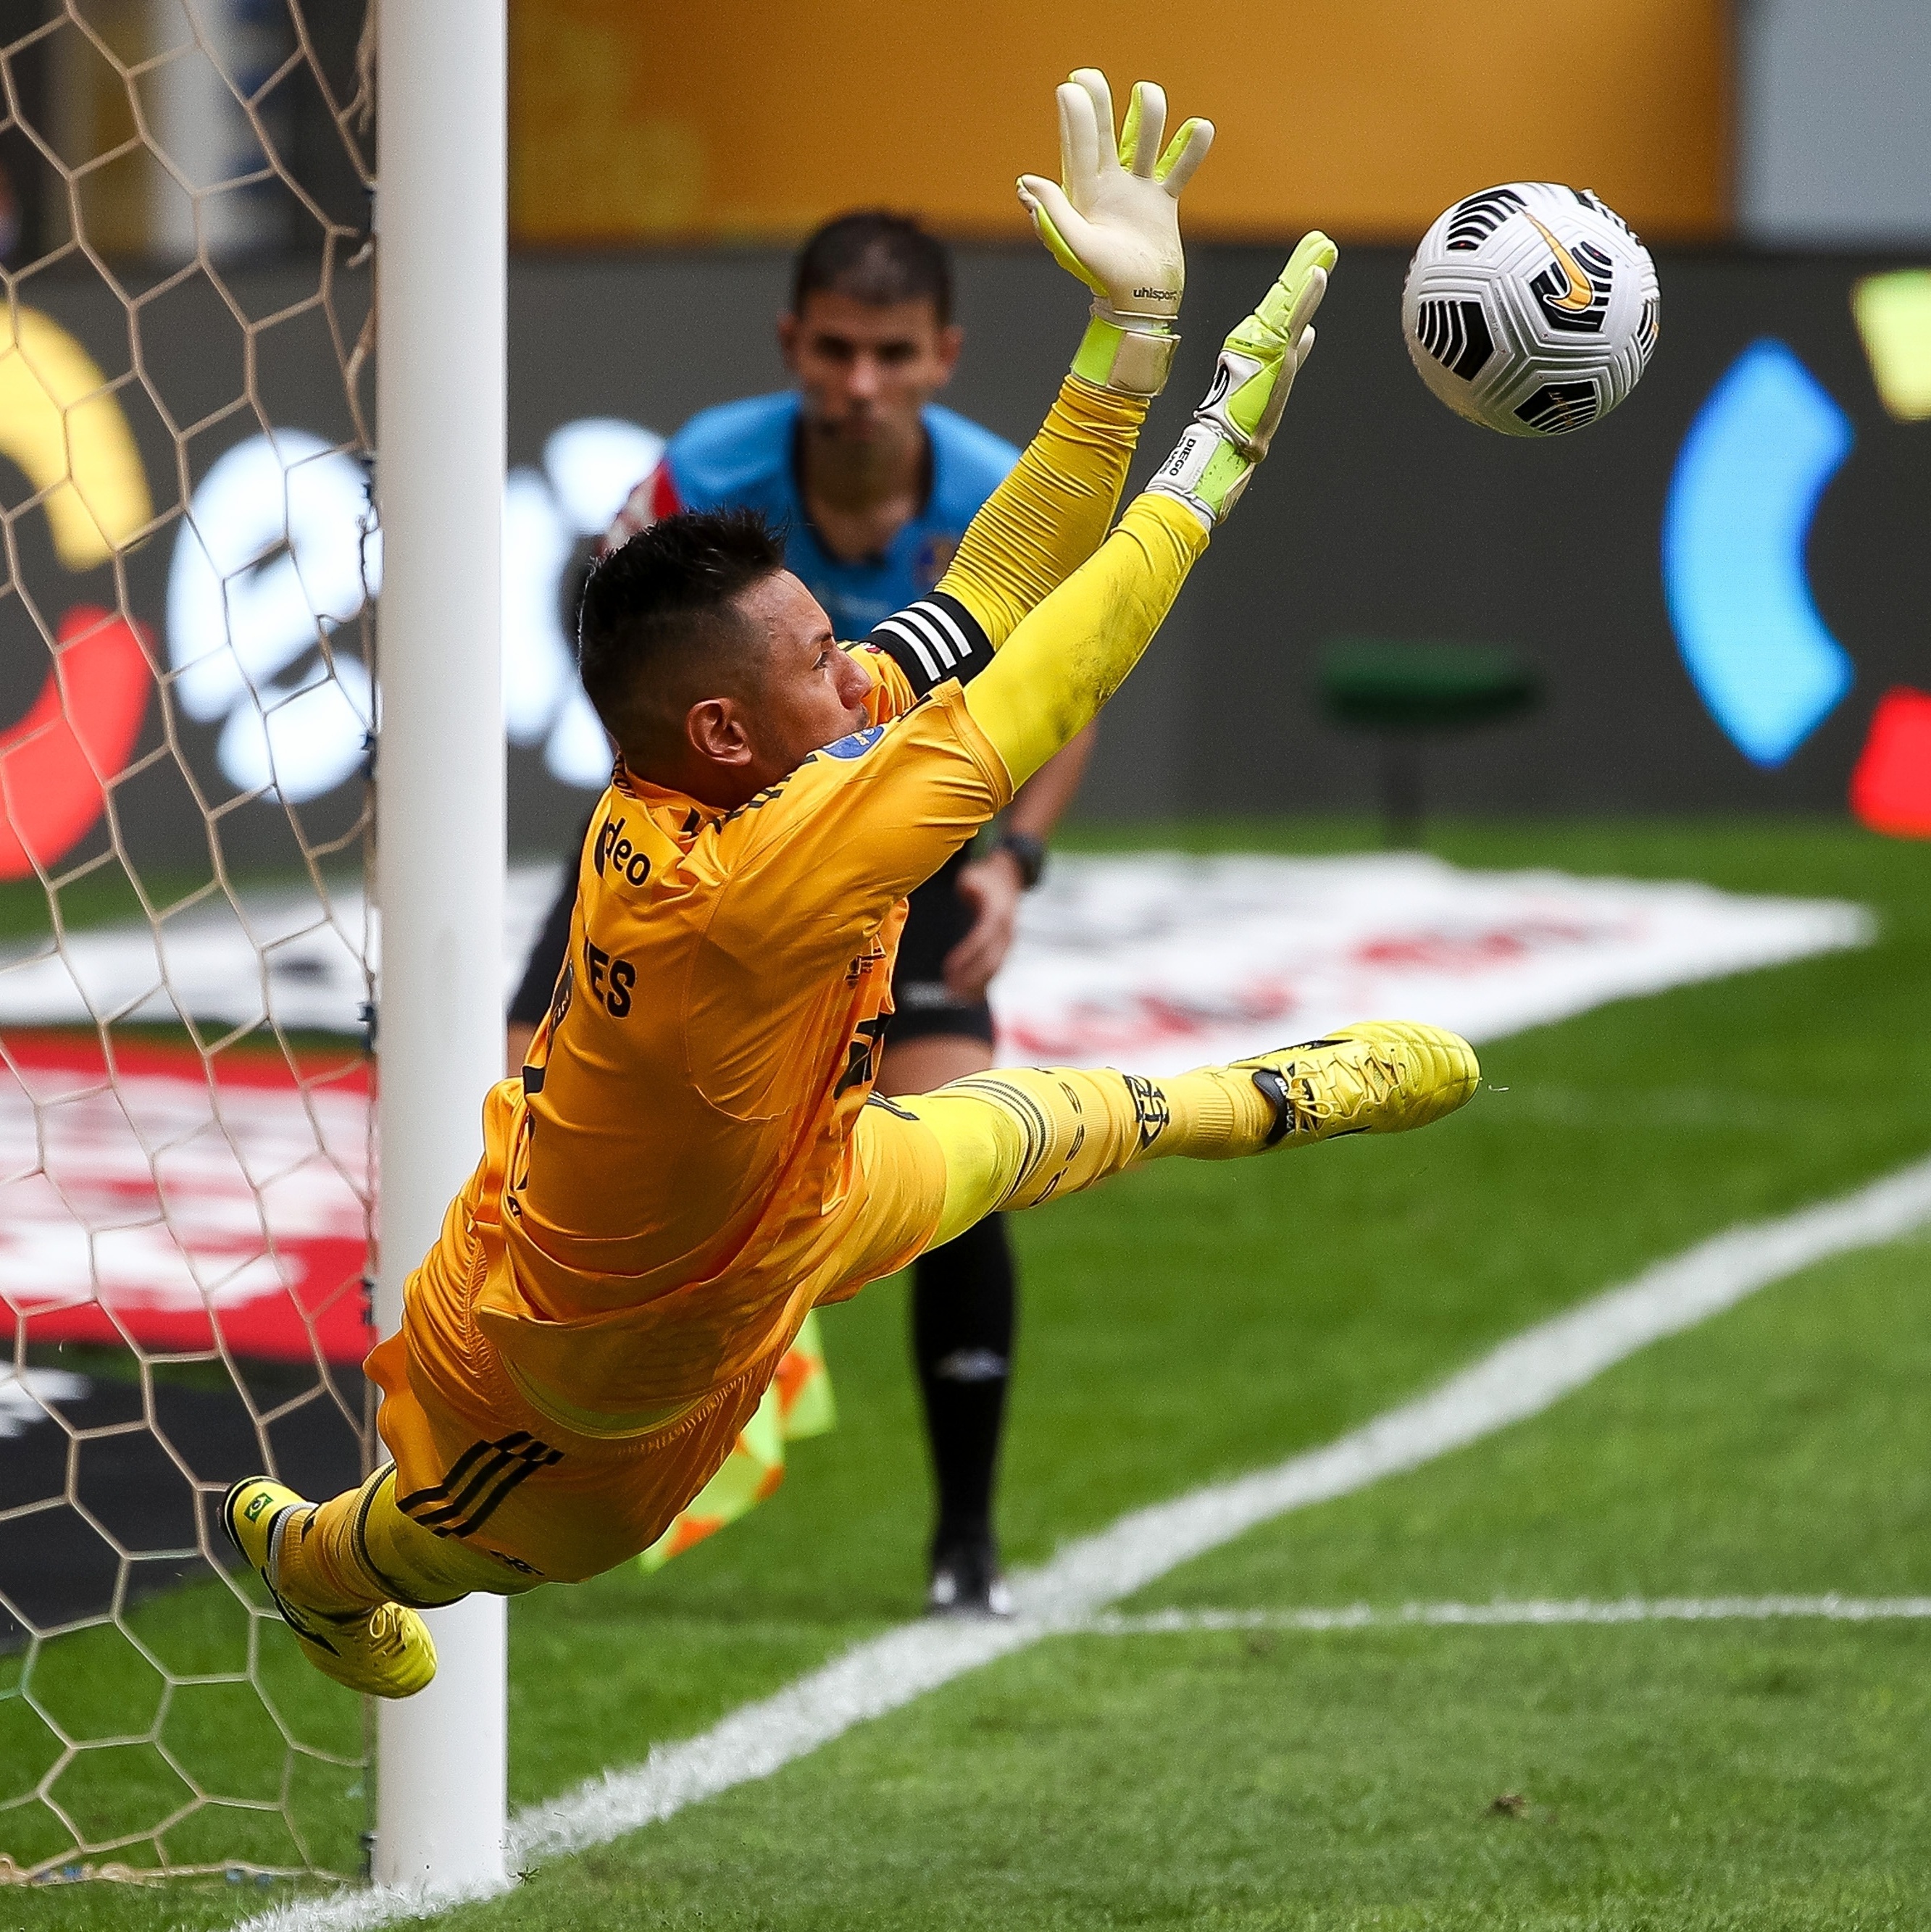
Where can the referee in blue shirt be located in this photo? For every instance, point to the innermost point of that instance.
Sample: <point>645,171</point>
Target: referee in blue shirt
<point>874,484</point>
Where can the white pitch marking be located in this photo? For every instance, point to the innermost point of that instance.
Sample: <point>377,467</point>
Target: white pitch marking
<point>1580,1610</point>
<point>1521,1378</point>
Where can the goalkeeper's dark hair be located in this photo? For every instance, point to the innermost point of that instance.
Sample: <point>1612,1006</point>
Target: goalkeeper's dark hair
<point>658,618</point>
<point>876,256</point>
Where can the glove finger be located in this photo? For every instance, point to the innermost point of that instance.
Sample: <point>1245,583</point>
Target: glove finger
<point>1054,219</point>
<point>1037,190</point>
<point>1184,153</point>
<point>1079,141</point>
<point>1306,300</point>
<point>1303,347</point>
<point>1313,250</point>
<point>1286,305</point>
<point>1145,125</point>
<point>1093,84</point>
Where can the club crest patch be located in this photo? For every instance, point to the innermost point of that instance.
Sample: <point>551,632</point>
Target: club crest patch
<point>857,745</point>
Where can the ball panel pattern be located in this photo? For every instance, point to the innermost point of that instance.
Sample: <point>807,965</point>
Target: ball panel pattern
<point>1456,335</point>
<point>1556,408</point>
<point>1470,222</point>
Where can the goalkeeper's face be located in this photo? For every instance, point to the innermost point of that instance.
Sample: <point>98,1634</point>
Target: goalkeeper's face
<point>799,691</point>
<point>866,369</point>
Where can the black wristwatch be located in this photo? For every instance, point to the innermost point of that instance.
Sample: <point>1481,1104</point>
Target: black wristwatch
<point>1029,855</point>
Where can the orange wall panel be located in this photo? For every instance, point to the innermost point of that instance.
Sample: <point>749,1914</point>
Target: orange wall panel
<point>633,120</point>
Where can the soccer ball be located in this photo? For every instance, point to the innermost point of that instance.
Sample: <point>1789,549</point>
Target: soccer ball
<point>1531,308</point>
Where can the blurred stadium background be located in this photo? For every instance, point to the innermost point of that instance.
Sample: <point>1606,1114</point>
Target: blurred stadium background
<point>1776,156</point>
<point>657,185</point>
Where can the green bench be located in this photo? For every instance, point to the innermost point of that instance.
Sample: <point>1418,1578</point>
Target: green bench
<point>1405,692</point>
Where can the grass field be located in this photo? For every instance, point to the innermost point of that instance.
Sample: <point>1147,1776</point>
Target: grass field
<point>1197,1321</point>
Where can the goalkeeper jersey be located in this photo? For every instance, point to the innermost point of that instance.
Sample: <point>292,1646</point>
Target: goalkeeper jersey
<point>683,1135</point>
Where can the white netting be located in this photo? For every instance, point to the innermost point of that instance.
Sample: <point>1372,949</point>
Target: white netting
<point>185,693</point>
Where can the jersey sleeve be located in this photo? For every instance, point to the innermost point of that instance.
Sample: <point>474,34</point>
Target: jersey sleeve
<point>811,866</point>
<point>929,641</point>
<point>1050,514</point>
<point>1072,654</point>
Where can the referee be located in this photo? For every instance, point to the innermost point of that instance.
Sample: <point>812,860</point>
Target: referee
<point>874,485</point>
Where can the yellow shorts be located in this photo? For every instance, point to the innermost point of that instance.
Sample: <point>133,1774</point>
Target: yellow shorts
<point>478,1462</point>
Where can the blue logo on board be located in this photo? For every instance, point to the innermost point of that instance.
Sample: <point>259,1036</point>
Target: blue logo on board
<point>1746,486</point>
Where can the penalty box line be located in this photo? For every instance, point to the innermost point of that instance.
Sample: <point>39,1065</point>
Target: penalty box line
<point>1521,1378</point>
<point>1538,1611</point>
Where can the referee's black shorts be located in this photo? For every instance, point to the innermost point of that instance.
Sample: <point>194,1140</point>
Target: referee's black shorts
<point>937,919</point>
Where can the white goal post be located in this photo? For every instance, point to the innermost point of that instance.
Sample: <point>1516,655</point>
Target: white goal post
<point>440,801</point>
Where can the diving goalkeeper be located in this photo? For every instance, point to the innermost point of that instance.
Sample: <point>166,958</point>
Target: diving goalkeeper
<point>693,1157</point>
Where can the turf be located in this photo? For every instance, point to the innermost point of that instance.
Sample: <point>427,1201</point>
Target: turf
<point>1196,1320</point>
<point>1786,1450</point>
<point>1662,1775</point>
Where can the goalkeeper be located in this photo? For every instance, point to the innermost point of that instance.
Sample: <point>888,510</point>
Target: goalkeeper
<point>693,1158</point>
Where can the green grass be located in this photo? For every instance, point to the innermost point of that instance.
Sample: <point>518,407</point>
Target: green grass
<point>1663,1775</point>
<point>1785,1449</point>
<point>164,1725</point>
<point>1196,1320</point>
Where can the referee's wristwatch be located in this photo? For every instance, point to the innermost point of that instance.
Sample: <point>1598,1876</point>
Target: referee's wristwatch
<point>1028,854</point>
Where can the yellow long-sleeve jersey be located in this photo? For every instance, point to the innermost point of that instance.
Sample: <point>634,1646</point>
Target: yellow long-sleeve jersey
<point>663,1192</point>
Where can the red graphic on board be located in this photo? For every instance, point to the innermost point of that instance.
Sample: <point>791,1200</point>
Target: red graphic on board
<point>56,762</point>
<point>1890,790</point>
<point>184,1205</point>
<point>1130,1024</point>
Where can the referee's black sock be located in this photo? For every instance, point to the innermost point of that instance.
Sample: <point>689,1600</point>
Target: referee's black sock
<point>964,1313</point>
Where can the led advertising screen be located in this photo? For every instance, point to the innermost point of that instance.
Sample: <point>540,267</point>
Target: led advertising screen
<point>1720,590</point>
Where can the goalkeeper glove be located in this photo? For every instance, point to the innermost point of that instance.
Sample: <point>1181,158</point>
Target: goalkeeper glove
<point>1113,220</point>
<point>1233,426</point>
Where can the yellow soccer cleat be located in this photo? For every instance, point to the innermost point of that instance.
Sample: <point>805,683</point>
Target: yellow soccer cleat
<point>385,1652</point>
<point>1375,1077</point>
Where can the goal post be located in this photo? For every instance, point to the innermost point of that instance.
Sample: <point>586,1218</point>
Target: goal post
<point>441,1778</point>
<point>188,664</point>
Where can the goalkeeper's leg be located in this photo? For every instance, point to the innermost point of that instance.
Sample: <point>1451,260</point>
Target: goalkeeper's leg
<point>1017,1139</point>
<point>349,1575</point>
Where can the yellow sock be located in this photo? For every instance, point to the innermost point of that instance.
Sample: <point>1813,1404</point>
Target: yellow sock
<point>1017,1137</point>
<point>358,1549</point>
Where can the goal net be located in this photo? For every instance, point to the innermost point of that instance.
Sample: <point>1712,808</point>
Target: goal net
<point>186,707</point>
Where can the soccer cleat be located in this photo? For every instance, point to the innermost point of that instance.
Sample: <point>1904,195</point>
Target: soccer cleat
<point>385,1652</point>
<point>1376,1077</point>
<point>966,1582</point>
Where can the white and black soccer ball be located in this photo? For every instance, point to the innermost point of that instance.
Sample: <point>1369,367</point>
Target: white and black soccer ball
<point>1531,308</point>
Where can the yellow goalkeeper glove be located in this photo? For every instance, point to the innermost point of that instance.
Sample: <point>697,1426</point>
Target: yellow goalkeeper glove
<point>1234,424</point>
<point>1113,220</point>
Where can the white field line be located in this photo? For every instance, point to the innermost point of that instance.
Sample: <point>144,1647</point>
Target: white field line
<point>1579,1610</point>
<point>1521,1378</point>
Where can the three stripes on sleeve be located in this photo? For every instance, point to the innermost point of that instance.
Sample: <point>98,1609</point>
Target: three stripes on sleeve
<point>933,639</point>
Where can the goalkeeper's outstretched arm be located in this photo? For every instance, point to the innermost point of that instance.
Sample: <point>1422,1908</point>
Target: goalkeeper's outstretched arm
<point>1114,222</point>
<point>1070,656</point>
